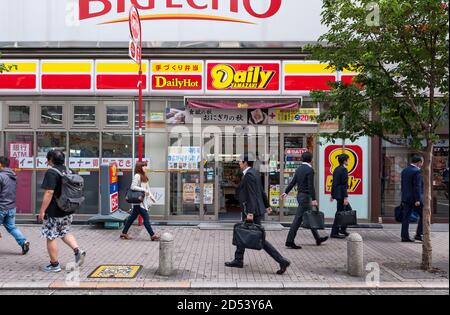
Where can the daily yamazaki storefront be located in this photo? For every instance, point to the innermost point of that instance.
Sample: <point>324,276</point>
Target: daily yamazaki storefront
<point>220,79</point>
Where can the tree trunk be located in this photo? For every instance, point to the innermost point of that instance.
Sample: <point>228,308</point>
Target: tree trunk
<point>427,251</point>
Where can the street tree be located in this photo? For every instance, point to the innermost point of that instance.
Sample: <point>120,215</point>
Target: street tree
<point>399,50</point>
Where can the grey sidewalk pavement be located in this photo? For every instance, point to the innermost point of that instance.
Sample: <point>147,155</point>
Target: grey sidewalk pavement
<point>200,257</point>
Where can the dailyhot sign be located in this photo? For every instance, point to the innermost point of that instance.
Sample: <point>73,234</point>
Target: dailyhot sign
<point>162,20</point>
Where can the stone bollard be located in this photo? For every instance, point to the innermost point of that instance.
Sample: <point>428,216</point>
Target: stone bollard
<point>355,255</point>
<point>166,255</point>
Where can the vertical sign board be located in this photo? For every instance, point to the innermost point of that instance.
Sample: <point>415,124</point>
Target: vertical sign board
<point>109,188</point>
<point>113,187</point>
<point>358,169</point>
<point>20,154</point>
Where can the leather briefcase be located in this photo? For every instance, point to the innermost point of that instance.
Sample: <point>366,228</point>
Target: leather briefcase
<point>346,218</point>
<point>249,235</point>
<point>313,220</point>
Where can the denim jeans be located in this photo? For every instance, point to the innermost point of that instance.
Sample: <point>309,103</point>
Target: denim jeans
<point>137,210</point>
<point>8,219</point>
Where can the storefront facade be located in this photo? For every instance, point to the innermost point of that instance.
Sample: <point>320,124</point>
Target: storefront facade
<point>203,107</point>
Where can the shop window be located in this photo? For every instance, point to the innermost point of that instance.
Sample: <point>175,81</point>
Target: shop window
<point>19,149</point>
<point>84,116</point>
<point>19,115</point>
<point>46,141</point>
<point>117,115</point>
<point>84,153</point>
<point>52,115</point>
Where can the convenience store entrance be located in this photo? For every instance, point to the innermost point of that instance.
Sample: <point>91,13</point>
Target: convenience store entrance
<point>276,156</point>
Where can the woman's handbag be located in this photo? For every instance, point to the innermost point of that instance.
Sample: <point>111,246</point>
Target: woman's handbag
<point>313,220</point>
<point>134,196</point>
<point>347,217</point>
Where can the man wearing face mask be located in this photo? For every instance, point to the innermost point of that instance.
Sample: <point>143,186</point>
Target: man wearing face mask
<point>339,192</point>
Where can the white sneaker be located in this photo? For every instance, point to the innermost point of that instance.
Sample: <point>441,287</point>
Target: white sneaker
<point>50,268</point>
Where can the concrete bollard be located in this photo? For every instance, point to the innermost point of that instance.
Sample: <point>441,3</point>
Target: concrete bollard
<point>355,255</point>
<point>166,255</point>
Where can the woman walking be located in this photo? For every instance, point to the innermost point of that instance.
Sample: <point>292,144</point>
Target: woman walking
<point>141,183</point>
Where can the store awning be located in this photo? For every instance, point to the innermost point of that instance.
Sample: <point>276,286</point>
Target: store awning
<point>238,103</point>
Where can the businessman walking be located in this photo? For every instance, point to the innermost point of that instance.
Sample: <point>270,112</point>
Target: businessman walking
<point>304,179</point>
<point>254,204</point>
<point>412,197</point>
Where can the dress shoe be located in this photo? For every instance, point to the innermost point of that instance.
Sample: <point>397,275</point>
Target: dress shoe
<point>283,266</point>
<point>234,264</point>
<point>407,240</point>
<point>337,236</point>
<point>293,246</point>
<point>418,238</point>
<point>321,240</point>
<point>345,233</point>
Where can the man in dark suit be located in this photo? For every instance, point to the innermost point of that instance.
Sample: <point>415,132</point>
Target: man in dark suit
<point>304,179</point>
<point>412,197</point>
<point>254,204</point>
<point>339,192</point>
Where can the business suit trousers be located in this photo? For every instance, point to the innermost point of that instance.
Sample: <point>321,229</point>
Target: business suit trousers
<point>407,211</point>
<point>304,204</point>
<point>240,252</point>
<point>340,208</point>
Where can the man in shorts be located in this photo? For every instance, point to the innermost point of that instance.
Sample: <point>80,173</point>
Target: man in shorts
<point>56,223</point>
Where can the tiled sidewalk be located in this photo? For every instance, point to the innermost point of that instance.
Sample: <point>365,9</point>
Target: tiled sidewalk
<point>200,257</point>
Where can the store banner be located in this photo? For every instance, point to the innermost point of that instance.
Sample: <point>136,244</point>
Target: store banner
<point>217,116</point>
<point>177,77</point>
<point>243,78</point>
<point>20,155</point>
<point>84,163</point>
<point>243,103</point>
<point>122,163</point>
<point>67,76</point>
<point>19,76</point>
<point>358,169</point>
<point>301,77</point>
<point>120,77</point>
<point>301,116</point>
<point>91,22</point>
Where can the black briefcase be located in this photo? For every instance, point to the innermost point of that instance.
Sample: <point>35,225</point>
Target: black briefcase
<point>347,217</point>
<point>313,220</point>
<point>249,235</point>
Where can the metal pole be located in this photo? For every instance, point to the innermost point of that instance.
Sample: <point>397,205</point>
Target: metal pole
<point>140,139</point>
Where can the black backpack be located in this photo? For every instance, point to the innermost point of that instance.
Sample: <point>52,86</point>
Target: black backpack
<point>72,192</point>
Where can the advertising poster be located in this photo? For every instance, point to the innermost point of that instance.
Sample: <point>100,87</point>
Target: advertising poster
<point>358,169</point>
<point>300,116</point>
<point>184,158</point>
<point>191,193</point>
<point>20,155</point>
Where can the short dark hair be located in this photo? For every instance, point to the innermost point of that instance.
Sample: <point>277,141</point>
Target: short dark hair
<point>57,157</point>
<point>342,158</point>
<point>307,157</point>
<point>416,159</point>
<point>4,161</point>
<point>247,159</point>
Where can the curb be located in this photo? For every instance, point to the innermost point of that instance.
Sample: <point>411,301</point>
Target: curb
<point>150,285</point>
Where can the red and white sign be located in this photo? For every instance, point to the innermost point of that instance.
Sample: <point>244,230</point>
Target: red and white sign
<point>177,77</point>
<point>243,78</point>
<point>19,149</point>
<point>84,163</point>
<point>24,163</point>
<point>114,199</point>
<point>122,163</point>
<point>135,49</point>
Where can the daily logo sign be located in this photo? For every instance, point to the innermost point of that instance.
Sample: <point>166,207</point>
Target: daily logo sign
<point>243,77</point>
<point>169,9</point>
